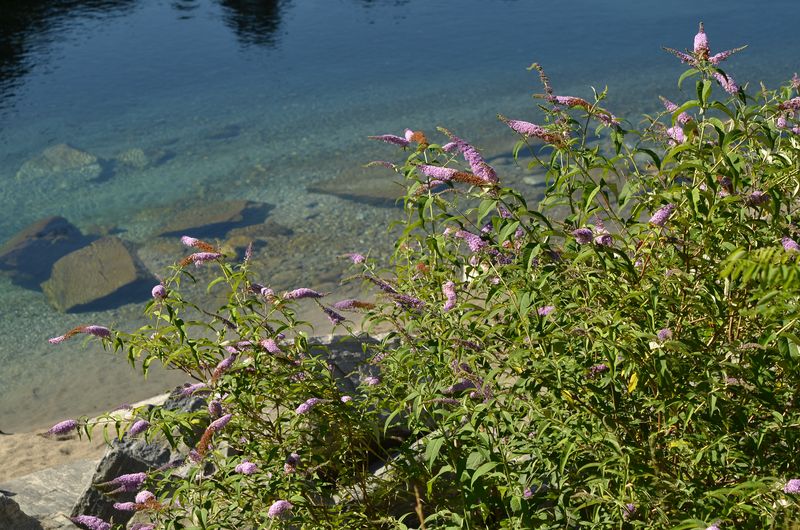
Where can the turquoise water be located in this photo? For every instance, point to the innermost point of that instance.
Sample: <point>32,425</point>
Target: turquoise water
<point>259,100</point>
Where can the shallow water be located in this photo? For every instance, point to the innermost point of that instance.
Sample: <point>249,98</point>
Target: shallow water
<point>257,103</point>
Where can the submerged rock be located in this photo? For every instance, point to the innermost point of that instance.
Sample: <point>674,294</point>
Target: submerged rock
<point>216,219</point>
<point>30,254</point>
<point>64,162</point>
<point>136,158</point>
<point>102,275</point>
<point>372,187</point>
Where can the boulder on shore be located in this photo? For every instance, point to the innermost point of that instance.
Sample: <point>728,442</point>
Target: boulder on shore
<point>101,275</point>
<point>64,162</point>
<point>30,254</point>
<point>132,455</point>
<point>13,518</point>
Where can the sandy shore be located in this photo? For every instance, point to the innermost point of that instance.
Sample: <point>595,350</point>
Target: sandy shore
<point>26,452</point>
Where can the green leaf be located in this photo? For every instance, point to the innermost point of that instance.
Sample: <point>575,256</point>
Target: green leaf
<point>432,450</point>
<point>685,75</point>
<point>485,468</point>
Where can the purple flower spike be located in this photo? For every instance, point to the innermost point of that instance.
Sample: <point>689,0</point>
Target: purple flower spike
<point>346,399</point>
<point>199,258</point>
<point>372,381</point>
<point>629,510</point>
<point>790,245</point>
<point>138,427</point>
<point>159,292</point>
<point>356,257</point>
<point>604,240</point>
<point>449,290</point>
<point>757,198</point>
<point>391,139</point>
<point>279,508</point>
<point>128,483</point>
<point>307,406</point>
<point>713,527</point>
<point>125,506</point>
<point>437,172</point>
<point>546,310</point>
<point>144,496</point>
<point>63,427</point>
<point>792,104</point>
<point>90,522</point>
<point>408,301</point>
<point>664,334</point>
<point>727,83</point>
<point>220,423</point>
<point>721,56</point>
<point>527,494</point>
<point>143,526</point>
<point>303,292</point>
<point>246,468</point>
<point>449,147</point>
<point>597,369</point>
<point>333,316</point>
<point>190,241</point>
<point>271,346</point>
<point>531,129</point>
<point>781,122</point>
<point>701,48</point>
<point>474,242</point>
<point>683,118</point>
<point>662,215</point>
<point>583,236</point>
<point>97,331</point>
<point>214,408</point>
<point>793,486</point>
<point>224,365</point>
<point>476,162</point>
<point>676,135</point>
<point>191,389</point>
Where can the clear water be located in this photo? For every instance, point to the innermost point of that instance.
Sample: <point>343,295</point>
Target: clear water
<point>258,100</point>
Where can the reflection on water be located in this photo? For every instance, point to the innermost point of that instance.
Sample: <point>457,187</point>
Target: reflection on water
<point>255,22</point>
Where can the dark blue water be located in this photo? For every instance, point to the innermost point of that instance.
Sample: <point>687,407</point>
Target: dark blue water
<point>259,100</point>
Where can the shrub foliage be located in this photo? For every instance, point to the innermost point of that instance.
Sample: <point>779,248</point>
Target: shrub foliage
<point>621,354</point>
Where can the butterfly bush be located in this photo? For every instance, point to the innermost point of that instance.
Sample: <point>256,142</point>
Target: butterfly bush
<point>619,352</point>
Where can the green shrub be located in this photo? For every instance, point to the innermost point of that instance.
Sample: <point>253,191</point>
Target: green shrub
<point>624,354</point>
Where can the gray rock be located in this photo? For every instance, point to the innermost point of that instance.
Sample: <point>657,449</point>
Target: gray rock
<point>348,356</point>
<point>137,158</point>
<point>131,455</point>
<point>216,219</point>
<point>62,162</point>
<point>126,456</point>
<point>101,275</point>
<point>30,254</point>
<point>49,491</point>
<point>13,518</point>
<point>57,521</point>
